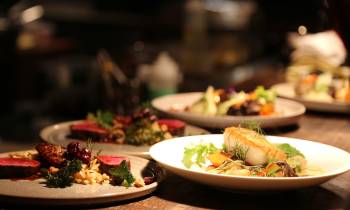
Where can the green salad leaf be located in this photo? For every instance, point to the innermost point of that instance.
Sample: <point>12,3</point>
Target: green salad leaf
<point>289,150</point>
<point>122,174</point>
<point>197,154</point>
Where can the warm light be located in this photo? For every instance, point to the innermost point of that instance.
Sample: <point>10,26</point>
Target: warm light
<point>302,30</point>
<point>32,14</point>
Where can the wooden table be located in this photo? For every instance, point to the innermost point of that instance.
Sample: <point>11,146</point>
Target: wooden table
<point>178,193</point>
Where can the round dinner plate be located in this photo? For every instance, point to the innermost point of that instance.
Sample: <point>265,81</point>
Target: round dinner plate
<point>288,112</point>
<point>58,134</point>
<point>331,160</point>
<point>286,90</point>
<point>35,191</point>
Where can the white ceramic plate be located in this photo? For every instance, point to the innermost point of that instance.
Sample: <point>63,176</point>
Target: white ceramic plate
<point>35,192</point>
<point>57,134</point>
<point>286,90</point>
<point>288,111</point>
<point>331,160</point>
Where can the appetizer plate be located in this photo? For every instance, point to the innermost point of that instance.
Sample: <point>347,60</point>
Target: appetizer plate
<point>58,134</point>
<point>286,90</point>
<point>288,111</point>
<point>331,160</point>
<point>35,191</point>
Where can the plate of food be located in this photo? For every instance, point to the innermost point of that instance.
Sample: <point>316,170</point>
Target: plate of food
<point>219,108</point>
<point>130,135</point>
<point>55,175</point>
<point>243,159</point>
<point>318,85</point>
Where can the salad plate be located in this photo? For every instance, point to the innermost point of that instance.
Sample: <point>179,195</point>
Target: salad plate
<point>286,90</point>
<point>329,160</point>
<point>35,191</point>
<point>58,134</point>
<point>287,112</point>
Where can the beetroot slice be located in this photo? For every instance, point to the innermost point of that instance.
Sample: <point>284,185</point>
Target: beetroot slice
<point>18,167</point>
<point>175,127</point>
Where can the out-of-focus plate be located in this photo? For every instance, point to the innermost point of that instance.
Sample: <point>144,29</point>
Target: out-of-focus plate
<point>35,191</point>
<point>288,112</point>
<point>58,134</point>
<point>286,90</point>
<point>331,160</point>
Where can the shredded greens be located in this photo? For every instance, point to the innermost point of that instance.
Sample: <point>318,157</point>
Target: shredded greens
<point>122,174</point>
<point>289,150</point>
<point>64,176</point>
<point>196,154</point>
<point>103,118</point>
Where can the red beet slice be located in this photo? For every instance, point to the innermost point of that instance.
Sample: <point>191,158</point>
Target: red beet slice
<point>175,127</point>
<point>18,167</point>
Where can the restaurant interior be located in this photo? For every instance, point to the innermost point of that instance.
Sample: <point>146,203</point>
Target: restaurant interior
<point>264,84</point>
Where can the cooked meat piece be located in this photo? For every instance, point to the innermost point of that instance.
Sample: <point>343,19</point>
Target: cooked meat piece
<point>54,155</point>
<point>89,130</point>
<point>18,167</point>
<point>108,161</point>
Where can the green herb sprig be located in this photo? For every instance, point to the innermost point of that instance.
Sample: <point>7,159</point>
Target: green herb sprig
<point>122,174</point>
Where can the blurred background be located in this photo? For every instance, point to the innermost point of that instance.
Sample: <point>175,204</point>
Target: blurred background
<point>62,59</point>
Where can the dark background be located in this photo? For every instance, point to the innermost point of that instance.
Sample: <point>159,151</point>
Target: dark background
<point>55,77</point>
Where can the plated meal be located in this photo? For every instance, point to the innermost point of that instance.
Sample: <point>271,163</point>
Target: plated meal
<point>317,84</point>
<point>141,128</point>
<point>246,152</point>
<point>244,159</point>
<point>129,135</point>
<point>229,102</point>
<point>222,108</point>
<point>318,80</point>
<point>54,169</point>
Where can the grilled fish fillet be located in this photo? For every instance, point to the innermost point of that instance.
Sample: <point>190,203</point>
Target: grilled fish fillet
<point>258,150</point>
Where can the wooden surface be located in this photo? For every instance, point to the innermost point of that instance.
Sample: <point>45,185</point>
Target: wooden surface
<point>178,193</point>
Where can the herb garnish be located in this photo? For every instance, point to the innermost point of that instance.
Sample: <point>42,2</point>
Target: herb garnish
<point>239,151</point>
<point>103,118</point>
<point>64,176</point>
<point>122,174</point>
<point>252,125</point>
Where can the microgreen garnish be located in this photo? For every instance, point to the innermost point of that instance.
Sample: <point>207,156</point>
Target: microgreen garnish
<point>252,125</point>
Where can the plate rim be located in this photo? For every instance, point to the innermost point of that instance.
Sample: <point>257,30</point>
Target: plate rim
<point>233,119</point>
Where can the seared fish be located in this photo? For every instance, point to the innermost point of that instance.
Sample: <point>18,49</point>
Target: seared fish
<point>257,150</point>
